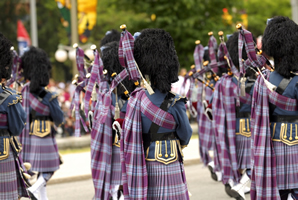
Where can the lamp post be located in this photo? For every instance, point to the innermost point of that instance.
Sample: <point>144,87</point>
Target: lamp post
<point>74,30</point>
<point>33,23</point>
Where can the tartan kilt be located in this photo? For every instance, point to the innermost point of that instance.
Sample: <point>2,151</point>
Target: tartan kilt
<point>166,181</point>
<point>243,151</point>
<point>286,165</point>
<point>8,178</point>
<point>42,153</point>
<point>116,168</point>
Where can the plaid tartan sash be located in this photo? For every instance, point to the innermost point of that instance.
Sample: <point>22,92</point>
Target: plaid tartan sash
<point>80,63</point>
<point>264,184</point>
<point>96,74</point>
<point>222,62</point>
<point>134,172</point>
<point>224,112</point>
<point>212,45</point>
<point>125,52</point>
<point>198,56</point>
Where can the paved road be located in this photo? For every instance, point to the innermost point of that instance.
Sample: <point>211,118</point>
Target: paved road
<point>201,186</point>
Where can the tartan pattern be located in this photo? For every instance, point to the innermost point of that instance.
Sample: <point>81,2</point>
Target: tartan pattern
<point>116,168</point>
<point>134,172</point>
<point>96,72</point>
<point>76,104</point>
<point>264,185</point>
<point>8,178</point>
<point>24,136</point>
<point>80,63</point>
<point>224,115</point>
<point>212,45</point>
<point>166,181</point>
<point>106,96</point>
<point>101,155</point>
<point>198,56</point>
<point>243,151</point>
<point>3,119</point>
<point>42,153</point>
<point>39,107</point>
<point>286,165</point>
<point>246,38</point>
<point>14,70</point>
<point>223,51</point>
<point>264,157</point>
<point>125,52</point>
<point>205,131</point>
<point>22,188</point>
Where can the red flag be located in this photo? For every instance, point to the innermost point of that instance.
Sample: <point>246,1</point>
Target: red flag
<point>22,33</point>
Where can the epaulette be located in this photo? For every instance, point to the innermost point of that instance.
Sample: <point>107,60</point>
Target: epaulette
<point>178,97</point>
<point>54,95</point>
<point>11,95</point>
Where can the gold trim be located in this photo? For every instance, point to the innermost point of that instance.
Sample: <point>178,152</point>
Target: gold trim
<point>41,128</point>
<point>283,132</point>
<point>275,140</point>
<point>53,97</point>
<point>5,149</point>
<point>242,128</point>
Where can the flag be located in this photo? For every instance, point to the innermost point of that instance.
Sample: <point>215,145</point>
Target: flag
<point>22,37</point>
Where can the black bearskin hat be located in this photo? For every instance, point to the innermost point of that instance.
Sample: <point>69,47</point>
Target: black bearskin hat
<point>110,36</point>
<point>155,53</point>
<point>6,57</point>
<point>37,67</point>
<point>112,64</point>
<point>280,41</point>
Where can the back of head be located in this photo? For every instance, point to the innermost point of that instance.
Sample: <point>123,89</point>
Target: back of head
<point>110,36</point>
<point>112,64</point>
<point>155,54</point>
<point>280,40</point>
<point>232,46</point>
<point>37,67</point>
<point>6,57</point>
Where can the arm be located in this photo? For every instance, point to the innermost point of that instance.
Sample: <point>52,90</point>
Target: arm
<point>183,128</point>
<point>56,112</point>
<point>16,118</point>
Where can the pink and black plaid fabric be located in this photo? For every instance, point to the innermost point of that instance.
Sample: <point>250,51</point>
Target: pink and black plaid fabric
<point>39,107</point>
<point>76,104</point>
<point>134,172</point>
<point>96,72</point>
<point>206,134</point>
<point>166,181</point>
<point>222,62</point>
<point>246,38</point>
<point>101,154</point>
<point>125,52</point>
<point>80,63</point>
<point>264,171</point>
<point>224,115</point>
<point>212,45</point>
<point>198,56</point>
<point>14,70</point>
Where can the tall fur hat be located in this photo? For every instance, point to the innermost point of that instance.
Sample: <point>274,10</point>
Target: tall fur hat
<point>280,40</point>
<point>110,36</point>
<point>37,67</point>
<point>155,53</point>
<point>112,64</point>
<point>6,57</point>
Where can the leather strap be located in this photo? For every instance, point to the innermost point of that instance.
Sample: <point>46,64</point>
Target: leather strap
<point>284,118</point>
<point>4,132</point>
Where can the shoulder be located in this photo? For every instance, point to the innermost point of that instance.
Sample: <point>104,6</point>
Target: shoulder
<point>50,96</point>
<point>10,97</point>
<point>178,98</point>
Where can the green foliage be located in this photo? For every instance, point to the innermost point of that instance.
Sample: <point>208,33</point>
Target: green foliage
<point>260,11</point>
<point>186,21</point>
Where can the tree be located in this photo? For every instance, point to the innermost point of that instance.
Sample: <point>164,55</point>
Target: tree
<point>186,21</point>
<point>259,11</point>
